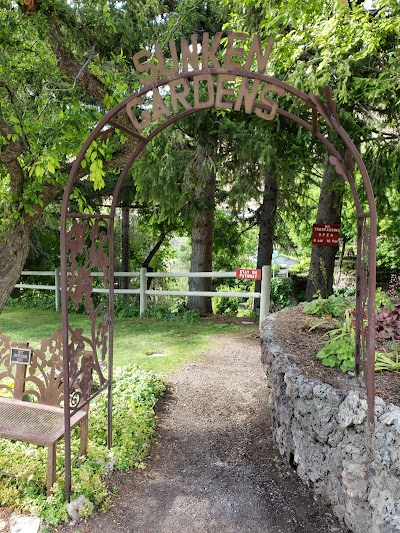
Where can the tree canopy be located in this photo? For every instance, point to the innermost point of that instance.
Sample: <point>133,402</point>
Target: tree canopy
<point>64,64</point>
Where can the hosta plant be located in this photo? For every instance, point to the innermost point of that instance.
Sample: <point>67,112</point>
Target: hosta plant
<point>333,306</point>
<point>339,349</point>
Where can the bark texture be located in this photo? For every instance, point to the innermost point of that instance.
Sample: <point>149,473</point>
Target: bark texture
<point>13,253</point>
<point>322,263</point>
<point>125,246</point>
<point>202,239</point>
<point>267,220</point>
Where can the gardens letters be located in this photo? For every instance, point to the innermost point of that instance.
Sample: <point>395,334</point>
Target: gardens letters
<point>204,88</point>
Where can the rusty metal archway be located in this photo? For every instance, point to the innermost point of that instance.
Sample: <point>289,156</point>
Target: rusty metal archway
<point>87,241</point>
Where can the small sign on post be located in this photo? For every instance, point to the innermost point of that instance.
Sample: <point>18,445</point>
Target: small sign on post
<point>325,234</point>
<point>21,356</point>
<point>248,273</point>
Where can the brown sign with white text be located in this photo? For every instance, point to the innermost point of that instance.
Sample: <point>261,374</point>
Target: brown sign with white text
<point>325,234</point>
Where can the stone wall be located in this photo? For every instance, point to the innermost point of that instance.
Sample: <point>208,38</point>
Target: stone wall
<point>323,432</point>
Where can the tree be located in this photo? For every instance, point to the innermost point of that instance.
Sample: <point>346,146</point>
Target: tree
<point>347,46</point>
<point>62,66</point>
<point>202,229</point>
<point>323,257</point>
<point>265,172</point>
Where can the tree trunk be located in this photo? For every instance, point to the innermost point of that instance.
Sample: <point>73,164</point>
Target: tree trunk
<point>267,219</point>
<point>322,264</point>
<point>13,253</point>
<point>341,257</point>
<point>202,243</point>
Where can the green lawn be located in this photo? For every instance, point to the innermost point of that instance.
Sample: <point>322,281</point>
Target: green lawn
<point>135,339</point>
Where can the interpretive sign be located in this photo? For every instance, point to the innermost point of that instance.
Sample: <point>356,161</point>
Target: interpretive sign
<point>248,273</point>
<point>21,356</point>
<point>325,234</point>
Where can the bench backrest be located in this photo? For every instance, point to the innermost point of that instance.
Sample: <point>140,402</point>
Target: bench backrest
<point>41,381</point>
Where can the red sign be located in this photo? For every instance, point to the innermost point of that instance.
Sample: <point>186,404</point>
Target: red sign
<point>325,234</point>
<point>248,273</point>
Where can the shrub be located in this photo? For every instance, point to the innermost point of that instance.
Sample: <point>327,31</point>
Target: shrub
<point>223,305</point>
<point>388,323</point>
<point>339,349</point>
<point>281,291</point>
<point>126,307</point>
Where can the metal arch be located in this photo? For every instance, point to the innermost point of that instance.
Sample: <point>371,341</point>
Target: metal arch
<point>344,167</point>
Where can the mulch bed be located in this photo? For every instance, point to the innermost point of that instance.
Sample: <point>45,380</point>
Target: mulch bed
<point>291,332</point>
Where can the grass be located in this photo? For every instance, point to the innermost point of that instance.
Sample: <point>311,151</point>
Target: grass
<point>135,394</point>
<point>135,340</point>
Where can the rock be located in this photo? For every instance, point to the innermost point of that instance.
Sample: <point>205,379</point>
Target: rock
<point>392,417</point>
<point>78,508</point>
<point>352,411</point>
<point>324,430</point>
<point>24,524</point>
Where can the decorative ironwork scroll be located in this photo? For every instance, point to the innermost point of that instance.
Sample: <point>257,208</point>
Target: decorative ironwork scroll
<point>44,375</point>
<point>87,253</point>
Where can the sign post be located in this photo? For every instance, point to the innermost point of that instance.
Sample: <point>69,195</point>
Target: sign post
<point>265,296</point>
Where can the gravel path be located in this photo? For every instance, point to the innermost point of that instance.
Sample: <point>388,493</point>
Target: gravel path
<point>214,468</point>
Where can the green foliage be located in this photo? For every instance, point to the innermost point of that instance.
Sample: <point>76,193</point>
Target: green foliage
<point>175,312</point>
<point>135,395</point>
<point>339,349</point>
<point>387,360</point>
<point>281,291</point>
<point>222,305</point>
<point>333,305</point>
<point>382,299</point>
<point>337,352</point>
<point>233,243</point>
<point>301,268</point>
<point>33,299</point>
<point>355,52</point>
<point>126,307</point>
<point>345,291</point>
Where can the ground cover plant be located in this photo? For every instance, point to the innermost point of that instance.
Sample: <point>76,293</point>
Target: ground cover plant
<point>135,395</point>
<point>338,314</point>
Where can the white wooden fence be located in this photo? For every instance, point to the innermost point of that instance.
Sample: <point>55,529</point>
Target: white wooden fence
<point>143,292</point>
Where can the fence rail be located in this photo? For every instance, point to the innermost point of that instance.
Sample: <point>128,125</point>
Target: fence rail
<point>143,292</point>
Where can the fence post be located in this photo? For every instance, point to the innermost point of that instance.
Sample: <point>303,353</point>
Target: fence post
<point>58,287</point>
<point>265,297</point>
<point>142,293</point>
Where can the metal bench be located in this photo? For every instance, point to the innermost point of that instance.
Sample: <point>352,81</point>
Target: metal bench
<point>40,379</point>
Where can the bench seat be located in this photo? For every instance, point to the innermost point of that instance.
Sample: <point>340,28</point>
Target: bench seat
<point>39,424</point>
<point>35,423</point>
<point>39,375</point>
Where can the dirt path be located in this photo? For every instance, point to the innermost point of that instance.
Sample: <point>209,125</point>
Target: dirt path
<point>214,468</point>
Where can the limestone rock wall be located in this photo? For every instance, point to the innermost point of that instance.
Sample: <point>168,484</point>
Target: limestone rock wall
<point>323,431</point>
